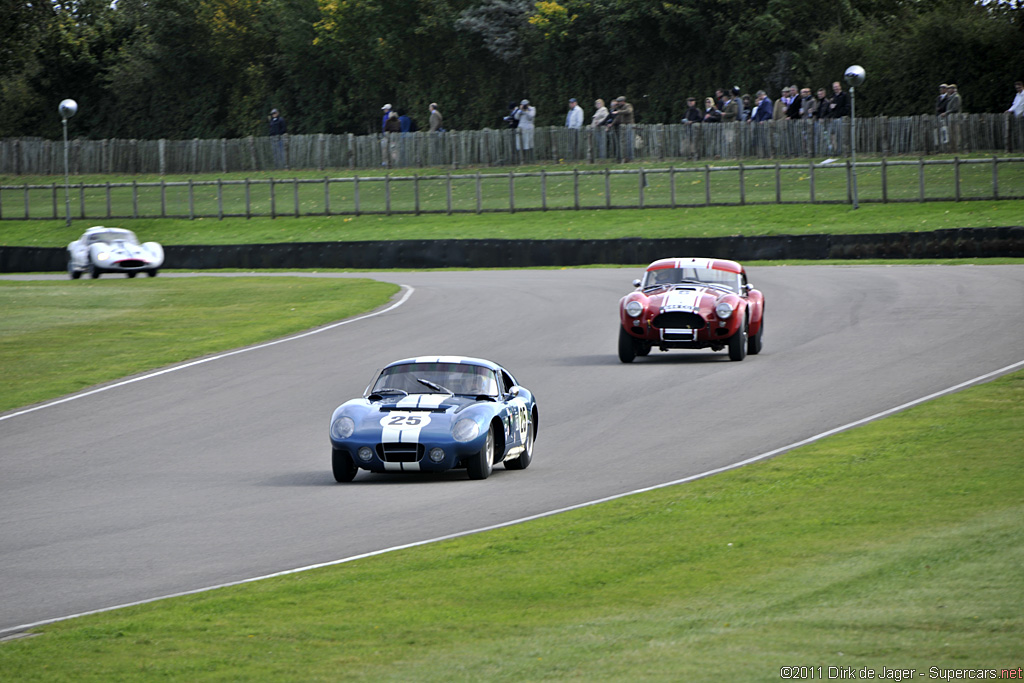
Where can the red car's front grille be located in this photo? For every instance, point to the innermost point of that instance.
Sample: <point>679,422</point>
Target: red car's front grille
<point>678,320</point>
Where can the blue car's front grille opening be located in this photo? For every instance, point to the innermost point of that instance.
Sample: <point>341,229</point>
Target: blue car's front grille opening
<point>400,452</point>
<point>131,263</point>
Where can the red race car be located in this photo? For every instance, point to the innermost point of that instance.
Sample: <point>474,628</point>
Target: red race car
<point>691,303</point>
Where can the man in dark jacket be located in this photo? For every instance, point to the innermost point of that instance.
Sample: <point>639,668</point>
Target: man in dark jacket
<point>840,106</point>
<point>277,130</point>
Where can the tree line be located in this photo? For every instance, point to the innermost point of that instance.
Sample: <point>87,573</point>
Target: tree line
<point>181,69</point>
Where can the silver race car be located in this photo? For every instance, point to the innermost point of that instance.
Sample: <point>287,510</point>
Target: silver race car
<point>113,250</point>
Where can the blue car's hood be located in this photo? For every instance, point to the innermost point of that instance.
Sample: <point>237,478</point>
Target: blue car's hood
<point>433,403</point>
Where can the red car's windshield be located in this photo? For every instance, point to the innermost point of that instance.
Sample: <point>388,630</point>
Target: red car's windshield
<point>671,276</point>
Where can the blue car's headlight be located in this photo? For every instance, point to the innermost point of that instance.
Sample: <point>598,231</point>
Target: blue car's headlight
<point>102,255</point>
<point>465,430</point>
<point>343,427</point>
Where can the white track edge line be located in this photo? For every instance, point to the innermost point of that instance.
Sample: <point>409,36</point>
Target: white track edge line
<point>174,368</point>
<point>539,515</point>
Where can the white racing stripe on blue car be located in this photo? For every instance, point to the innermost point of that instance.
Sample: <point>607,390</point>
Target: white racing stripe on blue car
<point>404,426</point>
<point>423,401</point>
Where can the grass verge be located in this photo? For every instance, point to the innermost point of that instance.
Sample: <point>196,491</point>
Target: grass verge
<point>60,337</point>
<point>893,546</point>
<point>796,219</point>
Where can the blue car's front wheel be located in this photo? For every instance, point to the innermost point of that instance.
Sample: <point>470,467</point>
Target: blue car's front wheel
<point>344,469</point>
<point>480,465</point>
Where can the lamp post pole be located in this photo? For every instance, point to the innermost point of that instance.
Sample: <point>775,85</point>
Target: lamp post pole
<point>67,110</point>
<point>854,76</point>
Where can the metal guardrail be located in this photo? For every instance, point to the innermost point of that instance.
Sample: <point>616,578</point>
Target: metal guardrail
<point>828,182</point>
<point>886,136</point>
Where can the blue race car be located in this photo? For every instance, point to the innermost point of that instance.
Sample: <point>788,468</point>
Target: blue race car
<point>434,414</point>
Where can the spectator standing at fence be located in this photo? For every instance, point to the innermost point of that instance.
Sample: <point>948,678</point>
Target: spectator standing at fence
<point>1017,108</point>
<point>405,122</point>
<point>278,129</point>
<point>940,101</point>
<point>623,124</point>
<point>762,113</point>
<point>840,105</point>
<point>824,104</point>
<point>525,116</point>
<point>574,118</point>
<point>838,108</point>
<point>600,133</point>
<point>693,113</point>
<point>953,103</point>
<point>384,119</point>
<point>435,118</point>
<point>808,105</point>
<point>763,109</point>
<point>744,109</point>
<point>779,110</point>
<point>731,109</point>
<point>719,99</point>
<point>793,106</point>
<point>712,114</point>
<point>392,132</point>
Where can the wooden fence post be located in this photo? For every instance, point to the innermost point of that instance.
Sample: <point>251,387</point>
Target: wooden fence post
<point>511,192</point>
<point>995,177</point>
<point>920,178</point>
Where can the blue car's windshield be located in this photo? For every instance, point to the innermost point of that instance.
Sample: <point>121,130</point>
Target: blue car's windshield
<point>459,378</point>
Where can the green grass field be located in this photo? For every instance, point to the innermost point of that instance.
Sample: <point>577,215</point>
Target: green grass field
<point>896,545</point>
<point>794,219</point>
<point>50,331</point>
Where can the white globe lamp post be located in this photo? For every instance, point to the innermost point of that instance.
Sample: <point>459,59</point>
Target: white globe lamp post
<point>67,109</point>
<point>854,76</point>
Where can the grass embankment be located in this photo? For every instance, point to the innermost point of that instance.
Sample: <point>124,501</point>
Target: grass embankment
<point>794,219</point>
<point>892,546</point>
<point>59,337</point>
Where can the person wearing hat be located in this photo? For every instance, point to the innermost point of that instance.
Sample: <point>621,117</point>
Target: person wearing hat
<point>525,115</point>
<point>574,119</point>
<point>953,103</point>
<point>278,128</point>
<point>940,102</point>
<point>384,120</point>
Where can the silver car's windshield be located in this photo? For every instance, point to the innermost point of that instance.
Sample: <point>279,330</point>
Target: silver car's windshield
<point>671,276</point>
<point>459,378</point>
<point>113,236</point>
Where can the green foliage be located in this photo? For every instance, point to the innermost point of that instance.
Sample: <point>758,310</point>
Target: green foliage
<point>210,68</point>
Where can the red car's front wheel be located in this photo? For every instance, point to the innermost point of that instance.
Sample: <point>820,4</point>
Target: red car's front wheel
<point>627,348</point>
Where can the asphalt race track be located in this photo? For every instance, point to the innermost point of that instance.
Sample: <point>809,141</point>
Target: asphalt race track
<point>220,472</point>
